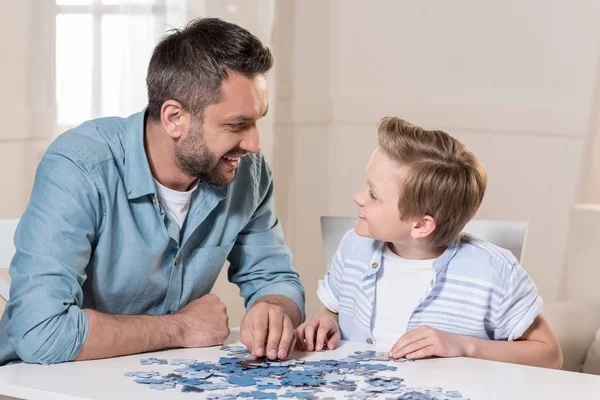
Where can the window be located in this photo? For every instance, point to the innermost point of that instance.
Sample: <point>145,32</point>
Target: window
<point>102,53</point>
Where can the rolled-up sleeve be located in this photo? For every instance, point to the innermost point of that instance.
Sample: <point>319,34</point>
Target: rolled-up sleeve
<point>53,246</point>
<point>520,306</point>
<point>260,261</point>
<point>329,287</point>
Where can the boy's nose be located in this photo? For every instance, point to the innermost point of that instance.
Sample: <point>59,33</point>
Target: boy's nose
<point>357,198</point>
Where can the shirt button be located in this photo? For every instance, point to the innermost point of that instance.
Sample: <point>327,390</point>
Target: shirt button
<point>374,265</point>
<point>176,260</point>
<point>154,200</point>
<point>369,341</point>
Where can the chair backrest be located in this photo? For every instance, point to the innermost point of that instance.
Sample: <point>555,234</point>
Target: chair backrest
<point>506,234</point>
<point>7,251</point>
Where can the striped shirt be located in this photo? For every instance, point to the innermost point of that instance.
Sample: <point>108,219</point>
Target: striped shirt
<point>479,290</point>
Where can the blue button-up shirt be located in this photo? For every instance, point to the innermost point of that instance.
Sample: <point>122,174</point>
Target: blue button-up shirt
<point>95,235</point>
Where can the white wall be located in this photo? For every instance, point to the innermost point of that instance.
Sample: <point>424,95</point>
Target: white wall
<point>27,103</point>
<point>516,81</point>
<point>513,80</point>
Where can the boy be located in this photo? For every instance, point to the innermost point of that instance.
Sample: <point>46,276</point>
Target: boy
<point>406,278</point>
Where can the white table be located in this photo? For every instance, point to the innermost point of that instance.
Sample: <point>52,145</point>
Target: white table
<point>475,379</point>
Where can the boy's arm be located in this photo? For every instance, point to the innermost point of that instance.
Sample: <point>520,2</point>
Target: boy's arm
<point>537,347</point>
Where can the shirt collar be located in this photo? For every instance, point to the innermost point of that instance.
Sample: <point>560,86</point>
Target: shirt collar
<point>438,264</point>
<point>138,177</point>
<point>443,260</point>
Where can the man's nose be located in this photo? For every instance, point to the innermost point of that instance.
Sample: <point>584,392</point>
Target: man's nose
<point>251,141</point>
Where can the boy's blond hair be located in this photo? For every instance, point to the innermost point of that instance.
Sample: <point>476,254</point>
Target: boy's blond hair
<point>445,180</point>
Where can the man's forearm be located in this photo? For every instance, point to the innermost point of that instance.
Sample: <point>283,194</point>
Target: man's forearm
<point>289,307</point>
<point>118,335</point>
<point>527,352</point>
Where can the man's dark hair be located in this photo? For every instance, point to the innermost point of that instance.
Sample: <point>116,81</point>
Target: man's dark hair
<point>188,65</point>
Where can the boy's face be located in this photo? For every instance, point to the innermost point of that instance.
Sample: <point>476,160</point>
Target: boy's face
<point>377,200</point>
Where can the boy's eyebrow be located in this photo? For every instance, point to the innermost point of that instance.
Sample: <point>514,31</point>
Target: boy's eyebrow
<point>372,185</point>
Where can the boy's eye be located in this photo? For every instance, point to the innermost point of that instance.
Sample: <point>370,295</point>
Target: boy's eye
<point>371,195</point>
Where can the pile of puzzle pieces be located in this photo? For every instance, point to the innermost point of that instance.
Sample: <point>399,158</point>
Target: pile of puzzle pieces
<point>240,376</point>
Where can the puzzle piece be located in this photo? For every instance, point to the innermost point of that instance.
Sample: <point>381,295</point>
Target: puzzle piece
<point>150,361</point>
<point>183,361</point>
<point>300,395</point>
<point>142,374</point>
<point>259,395</point>
<point>332,377</point>
<point>240,376</point>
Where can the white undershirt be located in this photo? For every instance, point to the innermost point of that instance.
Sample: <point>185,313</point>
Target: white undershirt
<point>176,203</point>
<point>401,285</point>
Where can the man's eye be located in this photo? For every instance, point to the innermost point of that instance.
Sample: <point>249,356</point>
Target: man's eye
<point>237,127</point>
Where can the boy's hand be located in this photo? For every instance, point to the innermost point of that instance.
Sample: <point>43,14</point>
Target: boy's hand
<point>426,342</point>
<point>313,335</point>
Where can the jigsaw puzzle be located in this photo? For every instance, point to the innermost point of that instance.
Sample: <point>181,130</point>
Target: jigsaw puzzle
<point>241,376</point>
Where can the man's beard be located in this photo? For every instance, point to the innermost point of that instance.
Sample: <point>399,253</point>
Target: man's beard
<point>194,158</point>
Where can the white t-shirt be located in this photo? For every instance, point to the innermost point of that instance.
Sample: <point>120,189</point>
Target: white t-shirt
<point>401,285</point>
<point>176,203</point>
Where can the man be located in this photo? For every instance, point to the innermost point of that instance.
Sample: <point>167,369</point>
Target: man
<point>130,220</point>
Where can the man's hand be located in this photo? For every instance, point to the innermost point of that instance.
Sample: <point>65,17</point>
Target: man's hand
<point>323,327</point>
<point>268,323</point>
<point>203,322</point>
<point>426,342</point>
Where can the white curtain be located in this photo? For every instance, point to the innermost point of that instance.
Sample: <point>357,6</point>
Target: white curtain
<point>103,48</point>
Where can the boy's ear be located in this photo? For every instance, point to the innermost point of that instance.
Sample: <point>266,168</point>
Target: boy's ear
<point>423,227</point>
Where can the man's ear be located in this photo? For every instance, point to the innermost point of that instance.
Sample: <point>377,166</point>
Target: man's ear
<point>175,119</point>
<point>423,227</point>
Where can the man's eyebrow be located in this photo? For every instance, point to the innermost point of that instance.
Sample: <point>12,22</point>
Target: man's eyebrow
<point>238,119</point>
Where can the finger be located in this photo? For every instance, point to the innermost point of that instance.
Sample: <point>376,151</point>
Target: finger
<point>411,347</point>
<point>322,334</point>
<point>259,334</point>
<point>422,353</point>
<point>309,336</point>
<point>292,345</point>
<point>407,338</point>
<point>274,334</point>
<point>246,337</point>
<point>287,336</point>
<point>300,338</point>
<point>334,340</point>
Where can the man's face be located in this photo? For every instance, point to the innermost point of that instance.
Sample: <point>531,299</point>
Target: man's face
<point>212,150</point>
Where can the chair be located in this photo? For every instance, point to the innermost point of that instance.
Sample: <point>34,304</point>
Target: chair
<point>506,234</point>
<point>7,251</point>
